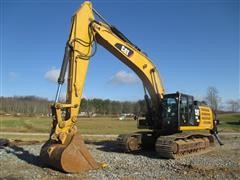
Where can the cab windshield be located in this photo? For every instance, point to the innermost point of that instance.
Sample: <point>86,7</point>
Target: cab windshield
<point>171,106</point>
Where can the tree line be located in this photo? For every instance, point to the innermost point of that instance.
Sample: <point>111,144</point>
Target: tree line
<point>107,106</point>
<point>32,105</point>
<point>29,105</point>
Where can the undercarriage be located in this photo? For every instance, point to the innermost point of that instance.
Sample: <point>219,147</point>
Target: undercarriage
<point>168,146</point>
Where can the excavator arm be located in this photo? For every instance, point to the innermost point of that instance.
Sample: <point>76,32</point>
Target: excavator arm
<point>85,33</point>
<point>77,53</point>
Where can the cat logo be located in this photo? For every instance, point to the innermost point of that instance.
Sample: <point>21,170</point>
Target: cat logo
<point>125,50</point>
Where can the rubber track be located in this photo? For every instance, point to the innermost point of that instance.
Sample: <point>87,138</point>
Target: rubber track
<point>164,147</point>
<point>172,147</point>
<point>123,141</point>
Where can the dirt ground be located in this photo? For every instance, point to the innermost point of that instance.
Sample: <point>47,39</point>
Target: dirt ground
<point>221,162</point>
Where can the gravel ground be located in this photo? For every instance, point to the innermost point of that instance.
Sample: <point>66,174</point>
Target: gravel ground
<point>21,162</point>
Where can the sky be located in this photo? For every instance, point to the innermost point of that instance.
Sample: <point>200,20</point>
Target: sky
<point>194,45</point>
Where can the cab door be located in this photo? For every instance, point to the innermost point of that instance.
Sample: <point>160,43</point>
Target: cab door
<point>186,110</point>
<point>170,123</point>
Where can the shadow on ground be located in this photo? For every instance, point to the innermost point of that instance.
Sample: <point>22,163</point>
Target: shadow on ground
<point>112,146</point>
<point>23,154</point>
<point>234,122</point>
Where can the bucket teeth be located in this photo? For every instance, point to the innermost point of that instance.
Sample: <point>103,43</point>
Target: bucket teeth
<point>71,158</point>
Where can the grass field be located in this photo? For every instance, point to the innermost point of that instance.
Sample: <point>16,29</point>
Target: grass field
<point>229,123</point>
<point>85,125</point>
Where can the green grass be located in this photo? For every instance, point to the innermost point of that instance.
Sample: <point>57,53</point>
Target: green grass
<point>106,126</point>
<point>85,125</point>
<point>24,124</point>
<point>229,122</point>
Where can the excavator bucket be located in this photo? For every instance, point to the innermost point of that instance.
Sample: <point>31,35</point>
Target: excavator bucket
<point>71,158</point>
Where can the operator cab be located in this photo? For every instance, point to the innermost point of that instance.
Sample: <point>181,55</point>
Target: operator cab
<point>179,110</point>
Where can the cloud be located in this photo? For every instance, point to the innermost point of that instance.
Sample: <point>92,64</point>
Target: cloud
<point>123,77</point>
<point>52,75</point>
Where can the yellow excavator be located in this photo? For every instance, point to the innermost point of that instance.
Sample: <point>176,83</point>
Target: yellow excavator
<point>167,114</point>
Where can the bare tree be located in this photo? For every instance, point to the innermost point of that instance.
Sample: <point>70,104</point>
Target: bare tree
<point>234,105</point>
<point>213,98</point>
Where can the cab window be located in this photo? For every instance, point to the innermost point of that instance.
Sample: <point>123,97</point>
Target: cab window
<point>171,106</point>
<point>184,110</point>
